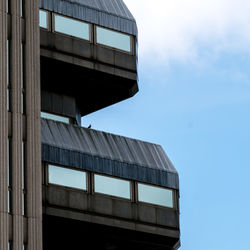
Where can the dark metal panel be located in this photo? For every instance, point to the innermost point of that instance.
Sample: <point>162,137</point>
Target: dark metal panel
<point>98,164</point>
<point>107,153</point>
<point>112,14</point>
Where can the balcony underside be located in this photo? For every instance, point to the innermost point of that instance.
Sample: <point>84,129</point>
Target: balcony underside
<point>63,233</point>
<point>96,76</point>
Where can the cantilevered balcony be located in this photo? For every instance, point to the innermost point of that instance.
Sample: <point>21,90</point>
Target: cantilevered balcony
<point>107,183</point>
<point>88,51</point>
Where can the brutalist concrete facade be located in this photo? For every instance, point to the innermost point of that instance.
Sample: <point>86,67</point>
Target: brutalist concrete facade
<point>49,71</point>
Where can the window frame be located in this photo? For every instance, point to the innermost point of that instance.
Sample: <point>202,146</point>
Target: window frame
<point>131,52</point>
<point>50,113</point>
<point>174,194</point>
<point>109,195</point>
<point>48,183</point>
<point>68,35</point>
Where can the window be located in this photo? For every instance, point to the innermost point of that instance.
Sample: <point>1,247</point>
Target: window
<point>112,186</point>
<point>23,164</point>
<point>9,176</point>
<point>7,6</point>
<point>113,39</point>
<point>23,106</point>
<point>21,8</point>
<point>9,201</point>
<point>43,19</point>
<point>23,178</point>
<point>67,177</point>
<point>155,195</point>
<point>71,27</point>
<point>55,117</point>
<point>8,73</point>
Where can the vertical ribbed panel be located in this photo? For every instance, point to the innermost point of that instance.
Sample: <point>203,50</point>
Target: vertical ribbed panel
<point>16,103</point>
<point>4,228</point>
<point>34,175</point>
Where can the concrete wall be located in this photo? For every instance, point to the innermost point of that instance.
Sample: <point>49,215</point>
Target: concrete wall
<point>109,211</point>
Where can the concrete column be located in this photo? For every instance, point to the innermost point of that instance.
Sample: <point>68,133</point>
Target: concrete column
<point>4,227</point>
<point>33,167</point>
<point>16,117</point>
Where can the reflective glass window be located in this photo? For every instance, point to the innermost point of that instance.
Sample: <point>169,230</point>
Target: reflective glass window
<point>21,7</point>
<point>43,19</point>
<point>23,164</point>
<point>72,27</point>
<point>55,117</point>
<point>112,186</point>
<point>8,158</point>
<point>23,205</point>
<point>67,177</point>
<point>155,195</point>
<point>9,201</point>
<point>8,74</point>
<point>113,39</point>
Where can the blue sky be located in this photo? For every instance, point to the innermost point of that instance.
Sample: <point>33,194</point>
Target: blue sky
<point>194,100</point>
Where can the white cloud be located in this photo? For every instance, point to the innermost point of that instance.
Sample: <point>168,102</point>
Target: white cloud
<point>176,30</point>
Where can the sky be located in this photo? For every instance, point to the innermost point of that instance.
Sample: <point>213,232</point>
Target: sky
<point>194,100</point>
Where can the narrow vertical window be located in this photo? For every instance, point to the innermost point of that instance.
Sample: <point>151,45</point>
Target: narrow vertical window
<point>9,175</point>
<point>43,19</point>
<point>7,6</point>
<point>9,162</point>
<point>22,51</point>
<point>24,204</point>
<point>21,8</point>
<point>9,201</point>
<point>23,164</point>
<point>23,107</point>
<point>8,73</point>
<point>23,178</point>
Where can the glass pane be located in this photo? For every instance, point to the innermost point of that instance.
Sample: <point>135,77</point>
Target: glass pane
<point>21,7</point>
<point>9,201</point>
<point>55,117</point>
<point>155,195</point>
<point>7,60</point>
<point>23,205</point>
<point>72,27</point>
<point>113,39</point>
<point>43,17</point>
<point>23,164</point>
<point>67,177</point>
<point>112,186</point>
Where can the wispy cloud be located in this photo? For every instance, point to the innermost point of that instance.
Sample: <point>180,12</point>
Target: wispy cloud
<point>189,30</point>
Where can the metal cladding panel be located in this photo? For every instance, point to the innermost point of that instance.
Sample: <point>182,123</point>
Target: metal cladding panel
<point>107,153</point>
<point>112,14</point>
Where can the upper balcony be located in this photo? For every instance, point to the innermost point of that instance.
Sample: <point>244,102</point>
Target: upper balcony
<point>88,51</point>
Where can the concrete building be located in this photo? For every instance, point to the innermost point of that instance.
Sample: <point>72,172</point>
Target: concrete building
<point>62,185</point>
